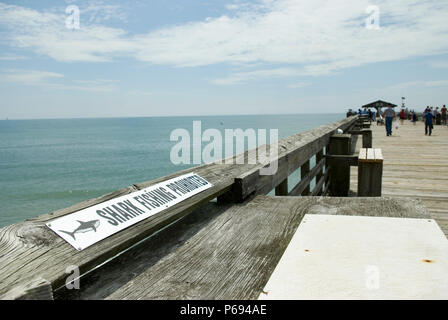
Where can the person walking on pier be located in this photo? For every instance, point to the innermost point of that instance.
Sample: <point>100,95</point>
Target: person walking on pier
<point>428,116</point>
<point>414,117</point>
<point>402,116</point>
<point>389,115</point>
<point>443,111</point>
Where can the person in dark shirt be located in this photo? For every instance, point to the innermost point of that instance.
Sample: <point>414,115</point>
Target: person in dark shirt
<point>428,116</point>
<point>414,117</point>
<point>443,111</point>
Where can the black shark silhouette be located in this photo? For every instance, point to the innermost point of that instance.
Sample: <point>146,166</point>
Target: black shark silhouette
<point>83,227</point>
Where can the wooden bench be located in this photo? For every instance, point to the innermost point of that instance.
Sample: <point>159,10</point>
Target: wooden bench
<point>370,172</point>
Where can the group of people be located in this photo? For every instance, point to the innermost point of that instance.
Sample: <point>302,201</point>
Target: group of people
<point>429,115</point>
<point>369,112</point>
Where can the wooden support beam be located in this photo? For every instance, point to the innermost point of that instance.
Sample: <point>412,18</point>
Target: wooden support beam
<point>305,181</point>
<point>352,160</point>
<point>304,170</point>
<point>319,184</point>
<point>320,173</point>
<point>366,136</point>
<point>282,188</point>
<point>327,185</point>
<point>370,172</point>
<point>340,144</point>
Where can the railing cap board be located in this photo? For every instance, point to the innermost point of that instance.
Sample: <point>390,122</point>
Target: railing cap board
<point>370,155</point>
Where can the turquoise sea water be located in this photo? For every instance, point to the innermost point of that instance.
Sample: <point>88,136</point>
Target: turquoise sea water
<point>47,165</point>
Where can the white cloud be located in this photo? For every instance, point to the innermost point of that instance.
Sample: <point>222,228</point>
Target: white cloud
<point>427,84</point>
<point>46,33</point>
<point>12,58</point>
<point>299,85</point>
<point>100,12</point>
<point>314,37</point>
<point>48,79</point>
<point>98,85</point>
<point>439,64</point>
<point>241,77</point>
<point>29,77</point>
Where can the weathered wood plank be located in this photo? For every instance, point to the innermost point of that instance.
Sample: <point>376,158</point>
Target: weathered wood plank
<point>362,154</point>
<point>370,155</point>
<point>318,188</point>
<point>230,255</point>
<point>351,160</point>
<point>378,155</point>
<point>38,289</point>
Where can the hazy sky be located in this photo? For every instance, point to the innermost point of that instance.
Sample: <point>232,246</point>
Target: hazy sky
<point>195,57</point>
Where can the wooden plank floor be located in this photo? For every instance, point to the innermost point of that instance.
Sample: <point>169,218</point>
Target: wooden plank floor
<point>415,166</point>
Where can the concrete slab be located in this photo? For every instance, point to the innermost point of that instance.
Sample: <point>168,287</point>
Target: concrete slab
<point>351,257</point>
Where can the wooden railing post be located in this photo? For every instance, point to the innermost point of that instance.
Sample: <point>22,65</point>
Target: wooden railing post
<point>282,188</point>
<point>304,170</point>
<point>340,144</point>
<point>370,172</point>
<point>367,138</point>
<point>319,157</point>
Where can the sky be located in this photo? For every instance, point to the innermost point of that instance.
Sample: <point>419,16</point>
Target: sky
<point>107,58</point>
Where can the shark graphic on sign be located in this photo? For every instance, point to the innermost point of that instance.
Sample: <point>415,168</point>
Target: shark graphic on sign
<point>83,228</point>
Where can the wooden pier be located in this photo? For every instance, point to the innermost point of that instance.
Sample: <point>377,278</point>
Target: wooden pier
<point>225,242</point>
<point>415,166</point>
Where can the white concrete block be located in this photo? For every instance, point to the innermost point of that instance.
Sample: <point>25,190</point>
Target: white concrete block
<point>351,257</point>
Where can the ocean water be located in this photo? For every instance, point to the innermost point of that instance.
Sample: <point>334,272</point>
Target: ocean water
<point>47,165</point>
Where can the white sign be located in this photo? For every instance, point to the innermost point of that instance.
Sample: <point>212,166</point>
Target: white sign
<point>88,226</point>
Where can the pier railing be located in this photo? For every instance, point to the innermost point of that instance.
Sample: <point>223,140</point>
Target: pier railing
<point>34,260</point>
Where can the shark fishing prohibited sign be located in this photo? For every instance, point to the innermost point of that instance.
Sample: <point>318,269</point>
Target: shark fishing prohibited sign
<point>91,225</point>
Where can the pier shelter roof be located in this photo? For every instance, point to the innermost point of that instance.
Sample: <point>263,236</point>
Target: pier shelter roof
<point>379,104</point>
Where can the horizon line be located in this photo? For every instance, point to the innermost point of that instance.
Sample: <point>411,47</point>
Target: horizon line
<point>171,116</point>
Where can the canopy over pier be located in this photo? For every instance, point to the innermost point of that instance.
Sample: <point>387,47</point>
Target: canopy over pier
<point>378,105</point>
